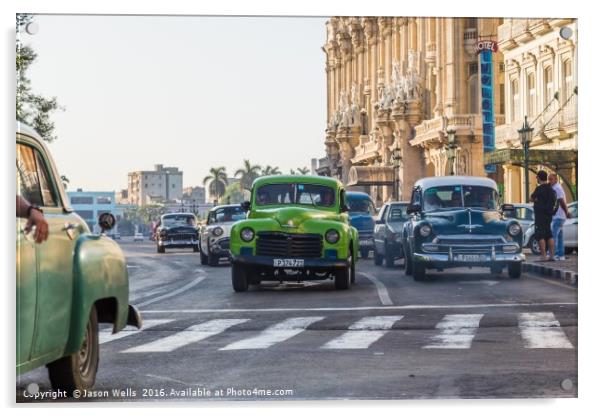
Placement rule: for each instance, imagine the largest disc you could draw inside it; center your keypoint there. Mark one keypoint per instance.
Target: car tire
(344, 277)
(534, 246)
(78, 370)
(407, 262)
(240, 282)
(212, 259)
(389, 258)
(378, 258)
(514, 270)
(419, 272)
(195, 249)
(160, 249)
(204, 259)
(365, 252)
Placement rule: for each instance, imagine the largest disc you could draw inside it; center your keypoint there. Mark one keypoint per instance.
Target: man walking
(544, 203)
(562, 213)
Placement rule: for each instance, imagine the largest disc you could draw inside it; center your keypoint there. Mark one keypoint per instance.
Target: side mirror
(344, 208)
(106, 221)
(508, 209)
(413, 209)
(245, 205)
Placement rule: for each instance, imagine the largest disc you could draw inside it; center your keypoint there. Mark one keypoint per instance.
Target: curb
(566, 276)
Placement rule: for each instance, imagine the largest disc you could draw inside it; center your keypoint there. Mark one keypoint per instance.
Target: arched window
(532, 95)
(567, 78)
(548, 84)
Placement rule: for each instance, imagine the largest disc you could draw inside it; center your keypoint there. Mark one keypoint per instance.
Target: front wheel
(514, 270)
(160, 249)
(534, 246)
(195, 248)
(212, 259)
(419, 272)
(240, 283)
(343, 278)
(78, 370)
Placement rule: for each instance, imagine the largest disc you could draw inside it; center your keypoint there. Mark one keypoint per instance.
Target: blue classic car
(455, 222)
(361, 216)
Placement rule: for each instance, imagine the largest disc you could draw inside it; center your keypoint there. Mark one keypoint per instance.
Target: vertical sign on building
(485, 50)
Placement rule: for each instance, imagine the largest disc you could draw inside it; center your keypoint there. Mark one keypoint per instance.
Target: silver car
(214, 242)
(569, 230)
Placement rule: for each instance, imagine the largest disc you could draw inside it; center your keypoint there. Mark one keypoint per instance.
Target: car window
(228, 214)
(398, 213)
(178, 220)
(361, 205)
(457, 196)
(523, 213)
(295, 193)
(32, 177)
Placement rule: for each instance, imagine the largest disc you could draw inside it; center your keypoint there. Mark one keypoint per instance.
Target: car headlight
(247, 234)
(332, 236)
(425, 230)
(217, 231)
(514, 229)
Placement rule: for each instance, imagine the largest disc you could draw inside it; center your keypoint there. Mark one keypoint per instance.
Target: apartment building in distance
(158, 185)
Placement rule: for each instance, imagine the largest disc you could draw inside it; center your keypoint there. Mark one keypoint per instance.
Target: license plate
(365, 242)
(289, 262)
(471, 257)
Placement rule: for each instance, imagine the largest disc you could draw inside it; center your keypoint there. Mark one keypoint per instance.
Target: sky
(188, 91)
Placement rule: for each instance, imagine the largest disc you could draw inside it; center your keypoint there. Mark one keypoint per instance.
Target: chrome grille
(288, 245)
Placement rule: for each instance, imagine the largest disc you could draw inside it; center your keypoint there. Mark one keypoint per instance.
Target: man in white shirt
(559, 218)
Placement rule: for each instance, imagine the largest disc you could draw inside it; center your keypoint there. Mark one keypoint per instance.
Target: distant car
(214, 242)
(138, 237)
(455, 222)
(177, 230)
(361, 216)
(387, 233)
(569, 230)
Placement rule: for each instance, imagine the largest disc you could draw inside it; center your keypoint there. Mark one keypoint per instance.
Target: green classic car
(297, 228)
(66, 285)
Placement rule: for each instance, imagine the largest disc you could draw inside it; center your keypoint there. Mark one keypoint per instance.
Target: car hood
(225, 225)
(293, 217)
(466, 220)
(361, 221)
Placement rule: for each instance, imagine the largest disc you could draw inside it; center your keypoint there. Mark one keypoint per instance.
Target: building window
(82, 200)
(549, 85)
(502, 99)
(567, 73)
(515, 100)
(473, 84)
(473, 68)
(532, 97)
(104, 200)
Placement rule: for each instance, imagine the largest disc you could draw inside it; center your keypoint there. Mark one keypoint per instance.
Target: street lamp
(526, 134)
(395, 160)
(450, 149)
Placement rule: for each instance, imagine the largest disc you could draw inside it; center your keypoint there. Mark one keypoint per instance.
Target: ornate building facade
(397, 87)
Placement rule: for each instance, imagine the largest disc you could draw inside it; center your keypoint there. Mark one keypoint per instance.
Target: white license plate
(365, 242)
(471, 257)
(289, 262)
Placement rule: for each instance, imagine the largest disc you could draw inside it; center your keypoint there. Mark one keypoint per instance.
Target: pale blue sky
(191, 92)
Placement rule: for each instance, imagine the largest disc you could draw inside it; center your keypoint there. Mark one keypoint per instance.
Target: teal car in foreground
(66, 285)
(297, 229)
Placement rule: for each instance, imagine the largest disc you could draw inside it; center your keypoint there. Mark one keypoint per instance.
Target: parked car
(361, 216)
(569, 230)
(214, 242)
(387, 233)
(138, 237)
(67, 285)
(524, 214)
(455, 222)
(177, 230)
(297, 229)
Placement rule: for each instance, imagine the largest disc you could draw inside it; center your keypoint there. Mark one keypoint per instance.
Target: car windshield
(226, 214)
(361, 205)
(295, 194)
(178, 220)
(458, 196)
(398, 213)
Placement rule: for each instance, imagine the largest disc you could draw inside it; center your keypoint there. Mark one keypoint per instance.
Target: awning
(371, 175)
(551, 157)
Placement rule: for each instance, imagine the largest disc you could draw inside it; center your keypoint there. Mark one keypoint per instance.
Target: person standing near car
(544, 203)
(561, 215)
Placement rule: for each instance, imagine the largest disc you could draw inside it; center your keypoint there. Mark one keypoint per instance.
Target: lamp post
(395, 160)
(451, 149)
(525, 133)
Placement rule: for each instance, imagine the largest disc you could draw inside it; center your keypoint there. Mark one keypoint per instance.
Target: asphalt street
(466, 334)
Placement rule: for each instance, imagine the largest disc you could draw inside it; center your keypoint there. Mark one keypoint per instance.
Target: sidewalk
(565, 270)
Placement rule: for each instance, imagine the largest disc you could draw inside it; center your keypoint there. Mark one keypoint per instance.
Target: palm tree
(293, 172)
(248, 173)
(303, 171)
(217, 180)
(269, 170)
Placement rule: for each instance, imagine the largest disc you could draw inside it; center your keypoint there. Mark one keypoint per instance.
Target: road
(467, 334)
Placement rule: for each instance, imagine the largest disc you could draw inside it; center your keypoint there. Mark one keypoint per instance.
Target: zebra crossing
(538, 330)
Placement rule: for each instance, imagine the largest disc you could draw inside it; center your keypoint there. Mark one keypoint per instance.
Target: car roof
(355, 194)
(190, 214)
(305, 179)
(455, 180)
(225, 206)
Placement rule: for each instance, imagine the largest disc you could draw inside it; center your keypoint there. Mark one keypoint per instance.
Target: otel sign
(485, 45)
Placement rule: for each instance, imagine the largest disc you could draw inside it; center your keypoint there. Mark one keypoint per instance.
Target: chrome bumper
(485, 258)
(180, 243)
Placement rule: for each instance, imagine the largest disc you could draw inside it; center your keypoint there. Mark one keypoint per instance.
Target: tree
(269, 170)
(248, 173)
(217, 180)
(32, 109)
(303, 171)
(232, 195)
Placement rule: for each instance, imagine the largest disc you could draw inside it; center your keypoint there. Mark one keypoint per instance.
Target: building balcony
(470, 40)
(366, 152)
(435, 129)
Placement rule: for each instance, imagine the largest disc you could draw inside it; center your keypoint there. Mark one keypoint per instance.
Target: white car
(569, 229)
(138, 237)
(214, 243)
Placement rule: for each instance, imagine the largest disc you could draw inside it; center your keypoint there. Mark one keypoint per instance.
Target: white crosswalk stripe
(363, 333)
(542, 330)
(456, 331)
(105, 335)
(274, 334)
(188, 336)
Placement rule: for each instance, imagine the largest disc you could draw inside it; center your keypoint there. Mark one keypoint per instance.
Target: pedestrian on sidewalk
(561, 215)
(544, 206)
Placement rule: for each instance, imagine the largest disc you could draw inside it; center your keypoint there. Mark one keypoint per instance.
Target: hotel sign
(485, 50)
